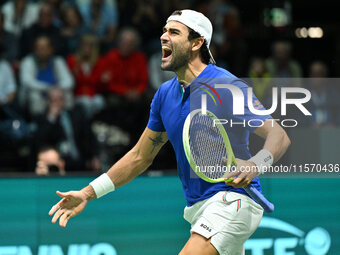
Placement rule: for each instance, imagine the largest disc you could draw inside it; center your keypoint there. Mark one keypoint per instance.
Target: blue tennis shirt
(171, 105)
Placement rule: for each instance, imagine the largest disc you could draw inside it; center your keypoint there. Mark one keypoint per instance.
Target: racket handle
(258, 197)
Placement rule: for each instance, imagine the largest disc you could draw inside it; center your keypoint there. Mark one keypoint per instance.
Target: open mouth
(166, 52)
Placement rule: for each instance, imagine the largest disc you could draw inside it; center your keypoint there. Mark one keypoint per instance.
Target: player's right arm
(139, 158)
(135, 162)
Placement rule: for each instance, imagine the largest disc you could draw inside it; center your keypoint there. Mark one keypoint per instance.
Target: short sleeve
(155, 121)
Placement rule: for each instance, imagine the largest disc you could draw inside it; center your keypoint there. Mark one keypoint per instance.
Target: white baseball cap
(197, 22)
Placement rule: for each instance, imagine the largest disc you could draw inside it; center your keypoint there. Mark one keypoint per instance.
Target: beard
(180, 58)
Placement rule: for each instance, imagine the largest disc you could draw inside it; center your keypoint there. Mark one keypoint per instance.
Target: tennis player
(222, 216)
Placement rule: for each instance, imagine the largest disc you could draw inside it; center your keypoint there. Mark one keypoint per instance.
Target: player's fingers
(239, 181)
(57, 206)
(63, 194)
(57, 215)
(245, 179)
(54, 208)
(229, 180)
(64, 219)
(231, 175)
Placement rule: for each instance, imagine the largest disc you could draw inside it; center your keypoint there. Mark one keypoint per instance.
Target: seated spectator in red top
(87, 67)
(127, 67)
(126, 79)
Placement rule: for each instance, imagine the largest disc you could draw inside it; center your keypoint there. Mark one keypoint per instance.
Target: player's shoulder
(224, 76)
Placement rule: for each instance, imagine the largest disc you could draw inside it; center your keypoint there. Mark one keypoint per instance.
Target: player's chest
(173, 117)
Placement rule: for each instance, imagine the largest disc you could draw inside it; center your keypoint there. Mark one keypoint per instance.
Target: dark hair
(204, 51)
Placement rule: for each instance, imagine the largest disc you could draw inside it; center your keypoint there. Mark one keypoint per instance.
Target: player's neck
(187, 74)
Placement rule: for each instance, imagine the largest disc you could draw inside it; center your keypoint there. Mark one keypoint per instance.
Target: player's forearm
(277, 142)
(128, 167)
(136, 161)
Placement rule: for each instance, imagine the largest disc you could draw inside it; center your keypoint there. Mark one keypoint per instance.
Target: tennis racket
(206, 143)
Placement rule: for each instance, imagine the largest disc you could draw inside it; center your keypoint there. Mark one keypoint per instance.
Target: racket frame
(186, 143)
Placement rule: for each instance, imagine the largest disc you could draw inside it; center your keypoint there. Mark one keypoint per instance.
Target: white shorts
(227, 218)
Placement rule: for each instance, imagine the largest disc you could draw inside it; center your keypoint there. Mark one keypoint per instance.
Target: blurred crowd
(77, 78)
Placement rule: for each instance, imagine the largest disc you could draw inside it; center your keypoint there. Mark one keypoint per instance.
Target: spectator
(19, 15)
(49, 162)
(72, 29)
(321, 103)
(228, 30)
(280, 65)
(127, 67)
(127, 79)
(39, 72)
(87, 67)
(68, 131)
(100, 18)
(57, 6)
(44, 27)
(260, 80)
(8, 42)
(146, 21)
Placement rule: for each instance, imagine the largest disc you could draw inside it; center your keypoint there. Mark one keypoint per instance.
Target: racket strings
(207, 146)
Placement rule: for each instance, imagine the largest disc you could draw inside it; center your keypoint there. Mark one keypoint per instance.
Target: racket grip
(258, 197)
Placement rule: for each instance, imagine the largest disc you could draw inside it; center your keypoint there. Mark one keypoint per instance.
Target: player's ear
(197, 43)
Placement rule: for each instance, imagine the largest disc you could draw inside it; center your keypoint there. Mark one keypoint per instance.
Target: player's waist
(193, 197)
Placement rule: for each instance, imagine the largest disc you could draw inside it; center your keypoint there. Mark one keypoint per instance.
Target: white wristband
(263, 160)
(102, 185)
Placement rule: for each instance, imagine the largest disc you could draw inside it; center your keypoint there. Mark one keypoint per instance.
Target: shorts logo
(205, 227)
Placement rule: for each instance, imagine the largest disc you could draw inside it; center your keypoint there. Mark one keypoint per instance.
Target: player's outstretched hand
(71, 204)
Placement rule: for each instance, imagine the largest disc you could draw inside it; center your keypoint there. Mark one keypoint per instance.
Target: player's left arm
(276, 139)
(276, 143)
